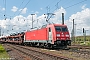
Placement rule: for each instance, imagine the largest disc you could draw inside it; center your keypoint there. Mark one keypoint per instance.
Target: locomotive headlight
(58, 38)
(67, 35)
(58, 35)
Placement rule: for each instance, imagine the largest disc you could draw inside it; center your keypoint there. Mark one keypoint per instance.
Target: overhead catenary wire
(57, 4)
(72, 5)
(4, 2)
(49, 15)
(24, 6)
(48, 6)
(19, 7)
(57, 7)
(76, 4)
(4, 13)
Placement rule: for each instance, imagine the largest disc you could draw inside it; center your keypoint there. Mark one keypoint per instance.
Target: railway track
(24, 54)
(79, 46)
(37, 55)
(15, 54)
(74, 53)
(80, 49)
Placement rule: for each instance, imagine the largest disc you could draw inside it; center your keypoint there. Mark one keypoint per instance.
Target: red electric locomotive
(54, 35)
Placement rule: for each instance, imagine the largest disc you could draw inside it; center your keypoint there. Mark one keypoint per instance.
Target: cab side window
(49, 29)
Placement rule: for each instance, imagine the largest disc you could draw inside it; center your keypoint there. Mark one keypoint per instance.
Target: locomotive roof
(56, 25)
(45, 26)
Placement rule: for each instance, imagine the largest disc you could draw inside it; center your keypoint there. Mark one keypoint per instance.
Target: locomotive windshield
(61, 28)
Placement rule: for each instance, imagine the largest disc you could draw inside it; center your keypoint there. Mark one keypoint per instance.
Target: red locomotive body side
(40, 34)
(54, 34)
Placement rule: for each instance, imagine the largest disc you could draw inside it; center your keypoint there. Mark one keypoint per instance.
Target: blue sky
(40, 6)
(20, 10)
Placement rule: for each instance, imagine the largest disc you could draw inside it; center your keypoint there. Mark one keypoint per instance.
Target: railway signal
(0, 30)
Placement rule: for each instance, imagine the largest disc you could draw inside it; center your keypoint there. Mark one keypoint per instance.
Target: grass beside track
(3, 54)
(80, 40)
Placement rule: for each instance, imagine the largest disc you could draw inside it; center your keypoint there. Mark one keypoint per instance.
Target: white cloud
(36, 12)
(23, 11)
(32, 11)
(84, 6)
(41, 8)
(58, 13)
(21, 23)
(82, 19)
(14, 9)
(3, 9)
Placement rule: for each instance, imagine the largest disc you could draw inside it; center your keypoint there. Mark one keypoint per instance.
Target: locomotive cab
(59, 35)
(62, 36)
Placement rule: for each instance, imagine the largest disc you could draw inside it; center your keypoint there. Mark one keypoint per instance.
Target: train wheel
(49, 46)
(64, 47)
